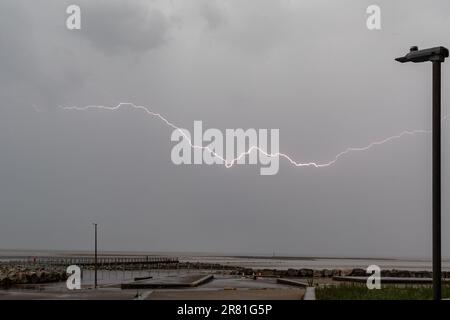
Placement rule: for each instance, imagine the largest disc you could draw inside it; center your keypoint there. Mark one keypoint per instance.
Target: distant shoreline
(40, 252)
(310, 258)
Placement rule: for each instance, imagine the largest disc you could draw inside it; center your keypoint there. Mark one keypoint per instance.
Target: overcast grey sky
(310, 68)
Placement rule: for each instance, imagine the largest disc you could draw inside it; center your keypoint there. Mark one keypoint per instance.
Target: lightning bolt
(230, 163)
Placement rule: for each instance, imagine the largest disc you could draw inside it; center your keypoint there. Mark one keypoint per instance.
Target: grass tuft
(359, 291)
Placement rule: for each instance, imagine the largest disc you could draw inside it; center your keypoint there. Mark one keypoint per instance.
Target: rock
(279, 273)
(400, 273)
(43, 276)
(336, 272)
(317, 273)
(358, 272)
(267, 272)
(5, 282)
(386, 273)
(404, 274)
(327, 273)
(32, 277)
(346, 272)
(21, 278)
(12, 275)
(291, 272)
(306, 273)
(248, 271)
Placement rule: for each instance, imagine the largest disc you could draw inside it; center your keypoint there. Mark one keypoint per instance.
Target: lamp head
(432, 54)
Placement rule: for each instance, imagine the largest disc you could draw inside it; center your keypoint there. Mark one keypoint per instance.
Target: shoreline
(61, 252)
(243, 261)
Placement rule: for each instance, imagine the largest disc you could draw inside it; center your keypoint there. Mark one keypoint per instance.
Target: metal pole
(95, 257)
(436, 189)
(436, 55)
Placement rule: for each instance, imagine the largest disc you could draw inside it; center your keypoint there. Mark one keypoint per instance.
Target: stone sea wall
(329, 273)
(29, 274)
(293, 273)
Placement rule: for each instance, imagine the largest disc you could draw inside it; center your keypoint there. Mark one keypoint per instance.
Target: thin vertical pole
(436, 189)
(95, 257)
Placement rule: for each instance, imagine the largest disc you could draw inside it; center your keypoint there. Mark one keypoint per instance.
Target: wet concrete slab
(100, 294)
(220, 287)
(293, 282)
(229, 294)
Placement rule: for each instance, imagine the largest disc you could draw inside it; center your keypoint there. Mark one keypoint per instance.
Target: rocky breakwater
(277, 273)
(30, 274)
(330, 273)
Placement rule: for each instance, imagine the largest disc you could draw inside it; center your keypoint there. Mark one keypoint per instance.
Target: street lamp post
(436, 55)
(95, 255)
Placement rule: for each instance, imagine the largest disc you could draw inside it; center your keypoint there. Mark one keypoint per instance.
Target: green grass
(387, 292)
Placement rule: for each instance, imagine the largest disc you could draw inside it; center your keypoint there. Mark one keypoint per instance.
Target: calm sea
(261, 262)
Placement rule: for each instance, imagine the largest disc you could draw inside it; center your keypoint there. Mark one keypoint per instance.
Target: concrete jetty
(180, 282)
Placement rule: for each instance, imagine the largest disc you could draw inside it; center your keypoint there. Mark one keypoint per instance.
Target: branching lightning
(230, 163)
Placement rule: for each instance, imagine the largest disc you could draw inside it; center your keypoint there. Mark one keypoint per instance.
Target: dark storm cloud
(248, 28)
(214, 12)
(37, 65)
(116, 26)
(15, 47)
